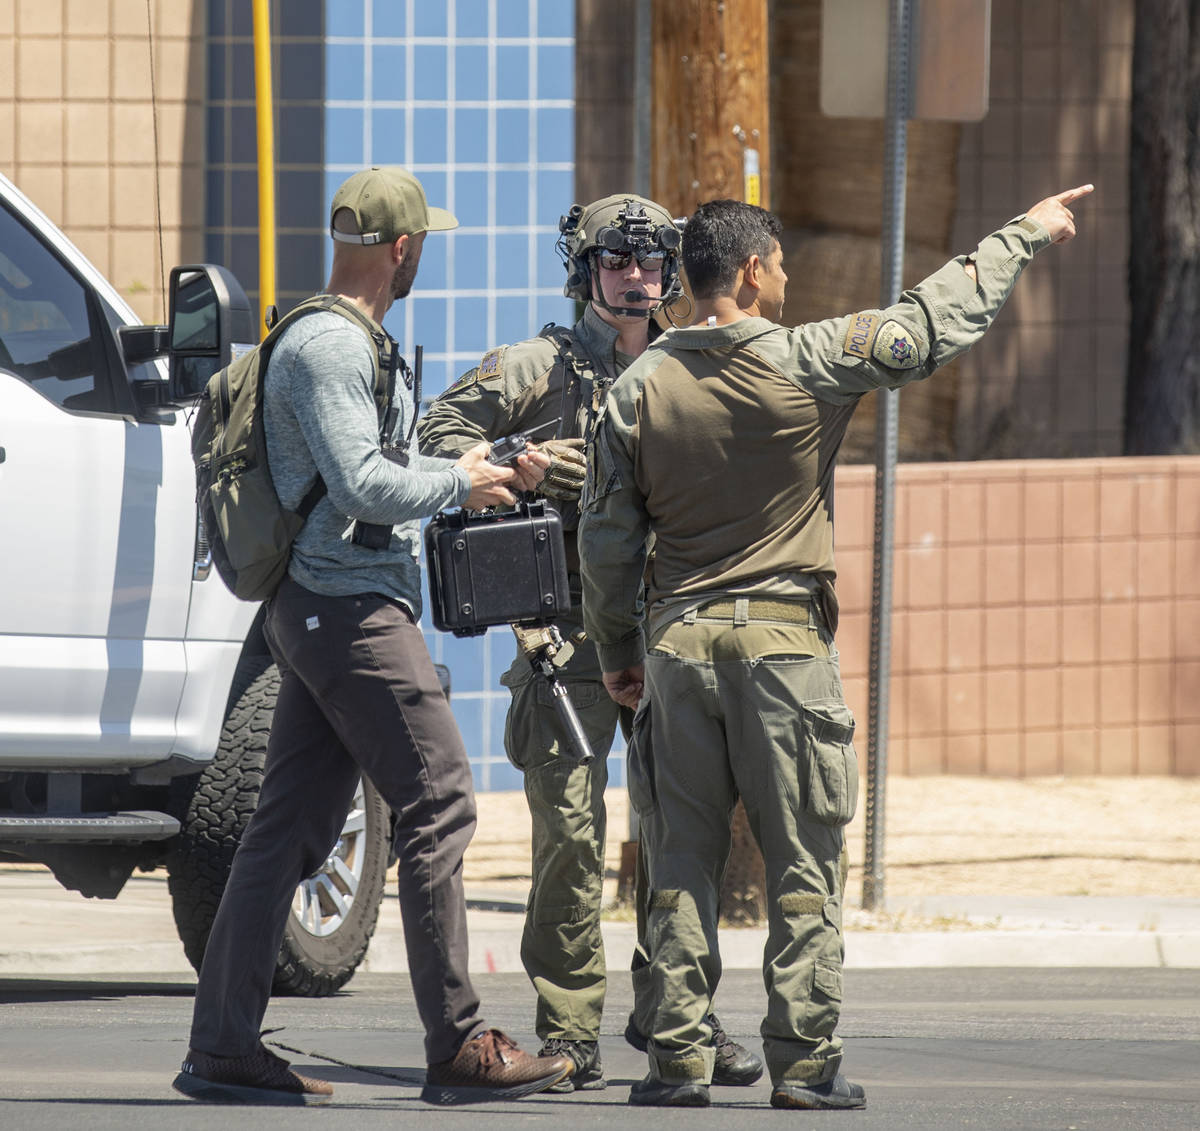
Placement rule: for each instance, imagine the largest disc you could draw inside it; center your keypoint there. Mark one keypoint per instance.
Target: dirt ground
(959, 836)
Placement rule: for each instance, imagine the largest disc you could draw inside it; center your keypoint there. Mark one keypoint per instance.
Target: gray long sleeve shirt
(320, 418)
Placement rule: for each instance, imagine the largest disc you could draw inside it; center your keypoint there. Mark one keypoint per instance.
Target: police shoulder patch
(490, 365)
(860, 334)
(896, 347)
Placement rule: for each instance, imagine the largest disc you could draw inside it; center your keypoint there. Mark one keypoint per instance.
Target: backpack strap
(385, 355)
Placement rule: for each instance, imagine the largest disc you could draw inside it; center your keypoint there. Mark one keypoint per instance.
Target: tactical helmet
(621, 223)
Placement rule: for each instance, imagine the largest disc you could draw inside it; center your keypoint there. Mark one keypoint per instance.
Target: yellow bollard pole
(266, 159)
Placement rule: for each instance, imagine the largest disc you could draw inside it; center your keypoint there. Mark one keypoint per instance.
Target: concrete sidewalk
(980, 872)
(51, 932)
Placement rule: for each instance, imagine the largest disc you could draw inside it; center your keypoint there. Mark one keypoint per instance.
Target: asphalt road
(934, 1048)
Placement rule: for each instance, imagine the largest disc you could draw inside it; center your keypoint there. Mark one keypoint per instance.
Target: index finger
(1074, 194)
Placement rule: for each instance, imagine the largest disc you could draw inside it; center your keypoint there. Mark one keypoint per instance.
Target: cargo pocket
(523, 734)
(832, 769)
(533, 733)
(828, 979)
(640, 762)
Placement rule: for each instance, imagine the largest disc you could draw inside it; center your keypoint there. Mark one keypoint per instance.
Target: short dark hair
(719, 237)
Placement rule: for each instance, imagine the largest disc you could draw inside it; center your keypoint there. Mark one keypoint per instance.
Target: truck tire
(334, 913)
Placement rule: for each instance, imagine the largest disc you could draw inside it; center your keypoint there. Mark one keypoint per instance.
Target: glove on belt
(564, 477)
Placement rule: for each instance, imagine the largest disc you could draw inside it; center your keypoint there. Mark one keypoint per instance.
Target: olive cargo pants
(561, 947)
(752, 709)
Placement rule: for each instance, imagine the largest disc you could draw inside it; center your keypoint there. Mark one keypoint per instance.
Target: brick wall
(1046, 615)
(77, 129)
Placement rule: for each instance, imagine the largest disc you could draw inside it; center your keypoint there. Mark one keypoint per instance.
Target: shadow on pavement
(13, 990)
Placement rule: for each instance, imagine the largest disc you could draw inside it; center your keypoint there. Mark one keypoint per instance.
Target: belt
(741, 609)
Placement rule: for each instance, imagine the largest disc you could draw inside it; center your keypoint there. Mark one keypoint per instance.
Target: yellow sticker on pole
(751, 176)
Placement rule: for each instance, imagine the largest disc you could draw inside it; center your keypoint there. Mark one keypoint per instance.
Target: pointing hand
(1054, 215)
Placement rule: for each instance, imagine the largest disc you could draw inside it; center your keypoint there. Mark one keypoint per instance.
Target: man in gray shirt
(358, 691)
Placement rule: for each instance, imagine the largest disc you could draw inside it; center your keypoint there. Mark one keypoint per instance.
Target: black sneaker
(589, 1072)
(835, 1093)
(735, 1065)
(260, 1077)
(654, 1093)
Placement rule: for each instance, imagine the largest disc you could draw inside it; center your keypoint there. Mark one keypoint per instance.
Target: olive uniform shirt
(519, 388)
(722, 441)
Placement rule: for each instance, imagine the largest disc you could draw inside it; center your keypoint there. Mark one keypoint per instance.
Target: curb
(497, 950)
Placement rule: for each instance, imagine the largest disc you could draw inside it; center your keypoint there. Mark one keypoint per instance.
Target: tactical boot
(833, 1094)
(589, 1072)
(735, 1065)
(655, 1093)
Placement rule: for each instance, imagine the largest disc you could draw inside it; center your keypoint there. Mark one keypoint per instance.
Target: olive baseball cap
(388, 202)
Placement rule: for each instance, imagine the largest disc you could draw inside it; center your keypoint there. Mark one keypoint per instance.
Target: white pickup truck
(136, 692)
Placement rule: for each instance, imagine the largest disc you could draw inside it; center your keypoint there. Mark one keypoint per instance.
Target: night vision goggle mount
(632, 231)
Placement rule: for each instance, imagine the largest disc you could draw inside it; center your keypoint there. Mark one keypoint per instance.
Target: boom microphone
(636, 296)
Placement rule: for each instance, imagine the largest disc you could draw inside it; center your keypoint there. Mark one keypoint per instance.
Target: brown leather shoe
(491, 1067)
(260, 1077)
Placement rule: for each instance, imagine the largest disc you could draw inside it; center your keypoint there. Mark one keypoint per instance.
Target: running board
(87, 828)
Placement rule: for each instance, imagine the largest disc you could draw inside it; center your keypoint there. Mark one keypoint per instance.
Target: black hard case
(496, 568)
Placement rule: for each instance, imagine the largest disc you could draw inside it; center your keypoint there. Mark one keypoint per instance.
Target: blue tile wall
(389, 72)
(555, 20)
(513, 20)
(344, 72)
(476, 97)
(472, 191)
(345, 17)
(388, 17)
(389, 132)
(471, 137)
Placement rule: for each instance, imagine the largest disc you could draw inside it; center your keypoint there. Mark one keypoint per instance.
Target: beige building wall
(102, 126)
(1046, 615)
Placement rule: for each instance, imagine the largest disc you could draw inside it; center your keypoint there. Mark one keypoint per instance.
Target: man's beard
(402, 279)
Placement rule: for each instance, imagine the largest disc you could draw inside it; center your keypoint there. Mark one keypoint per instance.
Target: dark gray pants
(359, 694)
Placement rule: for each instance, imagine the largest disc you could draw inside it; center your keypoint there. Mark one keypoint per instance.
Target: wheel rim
(323, 901)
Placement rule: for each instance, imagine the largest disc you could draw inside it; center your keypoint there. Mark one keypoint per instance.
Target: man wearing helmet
(621, 256)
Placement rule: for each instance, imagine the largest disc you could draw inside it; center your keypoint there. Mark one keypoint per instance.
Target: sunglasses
(619, 260)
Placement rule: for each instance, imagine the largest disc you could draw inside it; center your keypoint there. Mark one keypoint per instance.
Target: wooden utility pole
(709, 139)
(711, 81)
(1162, 394)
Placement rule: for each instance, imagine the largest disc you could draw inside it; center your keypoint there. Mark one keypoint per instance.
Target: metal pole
(886, 434)
(266, 160)
(643, 97)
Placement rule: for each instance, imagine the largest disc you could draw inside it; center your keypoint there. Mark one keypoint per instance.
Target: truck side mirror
(210, 324)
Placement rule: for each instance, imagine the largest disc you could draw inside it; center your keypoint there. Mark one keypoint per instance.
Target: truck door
(96, 524)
